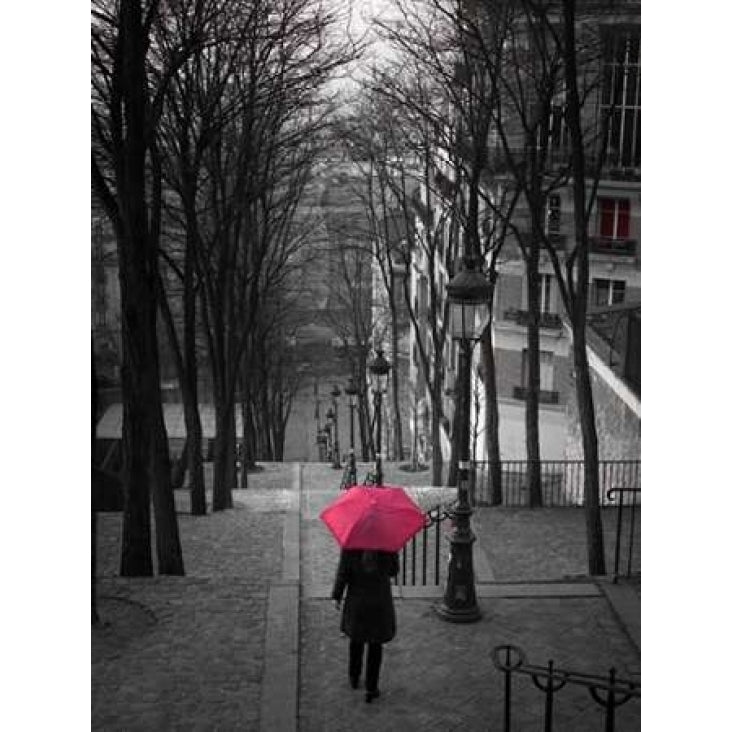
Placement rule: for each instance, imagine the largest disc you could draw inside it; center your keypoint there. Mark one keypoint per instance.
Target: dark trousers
(373, 663)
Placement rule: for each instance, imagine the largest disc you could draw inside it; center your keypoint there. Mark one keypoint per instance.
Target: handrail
(608, 691)
(433, 519)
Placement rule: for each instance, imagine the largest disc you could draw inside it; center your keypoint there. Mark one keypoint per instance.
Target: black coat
(368, 612)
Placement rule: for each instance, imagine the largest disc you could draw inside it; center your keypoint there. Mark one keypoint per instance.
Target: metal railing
(562, 481)
(607, 245)
(421, 560)
(634, 493)
(609, 691)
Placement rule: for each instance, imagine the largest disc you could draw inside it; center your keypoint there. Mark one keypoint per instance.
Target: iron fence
(423, 557)
(562, 481)
(609, 692)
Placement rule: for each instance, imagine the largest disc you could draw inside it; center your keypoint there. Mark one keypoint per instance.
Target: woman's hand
(337, 605)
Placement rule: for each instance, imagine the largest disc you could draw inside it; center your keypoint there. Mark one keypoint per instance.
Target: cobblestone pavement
(438, 675)
(187, 653)
(547, 543)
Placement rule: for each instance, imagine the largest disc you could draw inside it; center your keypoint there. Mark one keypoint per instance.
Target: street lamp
(352, 391)
(335, 393)
(468, 294)
(380, 369)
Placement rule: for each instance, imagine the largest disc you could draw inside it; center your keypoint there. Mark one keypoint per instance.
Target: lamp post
(329, 432)
(335, 393)
(352, 391)
(380, 369)
(468, 294)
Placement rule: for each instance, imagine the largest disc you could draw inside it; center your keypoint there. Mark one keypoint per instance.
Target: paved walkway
(248, 640)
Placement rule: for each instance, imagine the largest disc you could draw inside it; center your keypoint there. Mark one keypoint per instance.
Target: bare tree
(349, 312)
(127, 90)
(575, 287)
(254, 166)
(548, 76)
(438, 43)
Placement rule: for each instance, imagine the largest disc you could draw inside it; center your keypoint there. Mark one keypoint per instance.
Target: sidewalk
(187, 653)
(249, 640)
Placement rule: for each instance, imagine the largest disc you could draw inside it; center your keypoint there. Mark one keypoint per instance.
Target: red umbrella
(369, 517)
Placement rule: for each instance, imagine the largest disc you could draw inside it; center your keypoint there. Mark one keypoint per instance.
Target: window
(553, 215)
(613, 218)
(621, 94)
(546, 370)
(608, 292)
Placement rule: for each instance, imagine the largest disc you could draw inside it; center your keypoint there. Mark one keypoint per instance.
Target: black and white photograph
(365, 365)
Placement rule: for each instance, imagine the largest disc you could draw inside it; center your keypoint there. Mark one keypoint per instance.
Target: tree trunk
(224, 454)
(395, 379)
(189, 384)
(167, 540)
(436, 425)
(244, 452)
(585, 403)
(145, 441)
(533, 456)
(452, 466)
(94, 413)
(194, 454)
(178, 471)
(491, 438)
(187, 369)
(136, 554)
(415, 444)
(136, 296)
(368, 451)
(250, 434)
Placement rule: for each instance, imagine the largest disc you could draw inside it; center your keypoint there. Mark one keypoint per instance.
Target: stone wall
(618, 427)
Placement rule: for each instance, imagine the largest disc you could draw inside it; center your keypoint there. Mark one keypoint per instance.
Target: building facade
(614, 181)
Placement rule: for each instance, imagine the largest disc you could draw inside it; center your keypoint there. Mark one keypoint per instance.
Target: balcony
(545, 397)
(605, 245)
(521, 317)
(556, 241)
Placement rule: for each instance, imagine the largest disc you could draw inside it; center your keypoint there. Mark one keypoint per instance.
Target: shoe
(354, 682)
(372, 695)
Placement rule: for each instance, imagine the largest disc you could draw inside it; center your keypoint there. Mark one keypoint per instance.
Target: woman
(368, 612)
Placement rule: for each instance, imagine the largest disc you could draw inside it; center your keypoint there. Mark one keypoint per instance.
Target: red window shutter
(607, 217)
(623, 230)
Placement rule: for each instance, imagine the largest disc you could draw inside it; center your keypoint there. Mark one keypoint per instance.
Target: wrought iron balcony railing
(556, 240)
(606, 245)
(521, 317)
